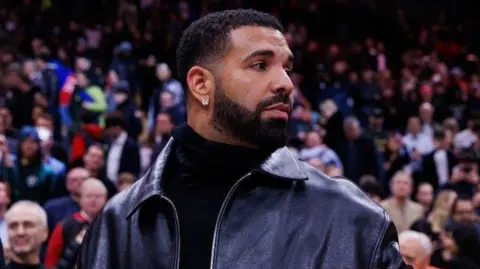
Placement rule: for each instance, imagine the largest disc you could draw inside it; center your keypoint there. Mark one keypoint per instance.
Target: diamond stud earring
(205, 101)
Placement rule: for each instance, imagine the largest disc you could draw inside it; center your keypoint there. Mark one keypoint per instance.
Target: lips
(280, 106)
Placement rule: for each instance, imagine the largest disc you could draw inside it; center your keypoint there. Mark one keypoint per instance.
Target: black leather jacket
(285, 215)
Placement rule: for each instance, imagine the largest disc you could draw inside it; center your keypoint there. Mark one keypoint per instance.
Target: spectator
(62, 207)
(436, 220)
(416, 249)
(437, 166)
(316, 149)
(128, 108)
(416, 142)
(161, 135)
(372, 188)
(123, 153)
(27, 175)
(463, 211)
(403, 211)
(125, 181)
(27, 231)
(459, 249)
(55, 153)
(466, 138)
(4, 204)
(349, 153)
(425, 195)
(465, 175)
(164, 74)
(93, 196)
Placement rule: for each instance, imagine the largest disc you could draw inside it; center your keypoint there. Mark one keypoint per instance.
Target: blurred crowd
(387, 95)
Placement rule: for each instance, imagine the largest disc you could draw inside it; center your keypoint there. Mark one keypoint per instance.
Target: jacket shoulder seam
(383, 231)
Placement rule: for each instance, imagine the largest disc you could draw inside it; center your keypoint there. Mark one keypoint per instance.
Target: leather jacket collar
(280, 165)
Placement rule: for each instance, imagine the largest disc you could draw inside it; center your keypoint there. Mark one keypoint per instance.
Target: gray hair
(421, 238)
(39, 211)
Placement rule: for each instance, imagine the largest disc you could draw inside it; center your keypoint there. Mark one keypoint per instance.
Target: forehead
(245, 40)
(92, 188)
(23, 214)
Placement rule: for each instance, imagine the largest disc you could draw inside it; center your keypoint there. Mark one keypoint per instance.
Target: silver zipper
(220, 216)
(177, 231)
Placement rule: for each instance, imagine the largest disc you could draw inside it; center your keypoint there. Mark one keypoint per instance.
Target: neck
(30, 258)
(3, 209)
(400, 200)
(86, 216)
(206, 130)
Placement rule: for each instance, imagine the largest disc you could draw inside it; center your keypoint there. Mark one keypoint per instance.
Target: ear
(45, 235)
(201, 84)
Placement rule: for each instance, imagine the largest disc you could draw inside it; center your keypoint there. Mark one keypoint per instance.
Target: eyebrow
(267, 53)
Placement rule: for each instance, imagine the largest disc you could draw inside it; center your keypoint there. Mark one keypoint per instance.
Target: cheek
(245, 88)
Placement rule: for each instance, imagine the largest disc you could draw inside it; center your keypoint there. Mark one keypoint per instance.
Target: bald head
(93, 196)
(416, 248)
(91, 184)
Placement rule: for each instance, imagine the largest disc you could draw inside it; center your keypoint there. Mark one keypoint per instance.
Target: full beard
(231, 118)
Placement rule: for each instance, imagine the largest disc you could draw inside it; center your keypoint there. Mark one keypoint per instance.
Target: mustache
(278, 98)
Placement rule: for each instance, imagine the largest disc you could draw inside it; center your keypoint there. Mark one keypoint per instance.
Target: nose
(282, 83)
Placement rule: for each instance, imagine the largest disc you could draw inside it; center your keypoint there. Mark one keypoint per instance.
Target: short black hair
(208, 38)
(115, 119)
(439, 134)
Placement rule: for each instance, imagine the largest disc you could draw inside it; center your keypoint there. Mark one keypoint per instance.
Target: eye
(259, 66)
(289, 71)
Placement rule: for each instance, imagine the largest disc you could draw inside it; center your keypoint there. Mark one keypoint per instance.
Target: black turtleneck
(198, 176)
(14, 265)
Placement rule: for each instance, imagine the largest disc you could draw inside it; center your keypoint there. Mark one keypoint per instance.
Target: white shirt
(441, 165)
(421, 142)
(464, 139)
(114, 155)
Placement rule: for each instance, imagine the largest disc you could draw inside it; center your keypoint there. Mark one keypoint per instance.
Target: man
(437, 166)
(226, 192)
(403, 211)
(123, 154)
(416, 249)
(161, 134)
(353, 151)
(93, 196)
(315, 148)
(27, 230)
(62, 207)
(425, 195)
(127, 106)
(94, 162)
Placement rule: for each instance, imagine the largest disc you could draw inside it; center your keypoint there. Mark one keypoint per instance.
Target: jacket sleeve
(387, 253)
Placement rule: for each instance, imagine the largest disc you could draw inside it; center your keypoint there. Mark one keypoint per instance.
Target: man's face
(413, 254)
(163, 124)
(414, 125)
(464, 212)
(75, 179)
(402, 187)
(94, 158)
(253, 90)
(26, 233)
(425, 194)
(92, 199)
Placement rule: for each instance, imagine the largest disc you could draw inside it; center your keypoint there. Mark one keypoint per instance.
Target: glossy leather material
(286, 215)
